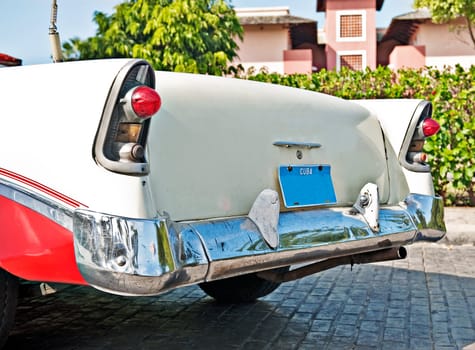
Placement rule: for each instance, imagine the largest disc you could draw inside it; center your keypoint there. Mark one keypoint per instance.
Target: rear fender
(398, 119)
(36, 236)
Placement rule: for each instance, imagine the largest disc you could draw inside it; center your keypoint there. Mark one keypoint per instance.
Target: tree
(196, 36)
(444, 11)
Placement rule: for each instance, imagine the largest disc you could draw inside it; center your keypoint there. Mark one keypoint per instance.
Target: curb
(460, 223)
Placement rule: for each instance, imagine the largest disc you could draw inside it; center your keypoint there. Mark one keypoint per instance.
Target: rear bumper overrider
(146, 257)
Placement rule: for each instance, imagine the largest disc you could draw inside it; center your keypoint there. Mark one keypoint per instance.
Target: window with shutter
(351, 26)
(354, 62)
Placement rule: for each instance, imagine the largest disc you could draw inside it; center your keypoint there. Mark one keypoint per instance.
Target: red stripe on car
(40, 187)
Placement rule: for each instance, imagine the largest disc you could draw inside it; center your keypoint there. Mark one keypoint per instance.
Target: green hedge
(452, 92)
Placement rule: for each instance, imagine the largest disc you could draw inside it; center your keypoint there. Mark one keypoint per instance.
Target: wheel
(240, 289)
(8, 303)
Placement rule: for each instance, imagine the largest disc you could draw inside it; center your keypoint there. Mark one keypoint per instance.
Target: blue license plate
(306, 185)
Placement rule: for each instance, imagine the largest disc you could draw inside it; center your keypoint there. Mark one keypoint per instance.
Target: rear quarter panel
(50, 116)
(395, 115)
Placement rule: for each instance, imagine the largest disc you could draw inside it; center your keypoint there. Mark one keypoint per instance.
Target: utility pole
(54, 35)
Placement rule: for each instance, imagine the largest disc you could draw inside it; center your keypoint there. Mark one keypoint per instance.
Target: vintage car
(9, 61)
(137, 182)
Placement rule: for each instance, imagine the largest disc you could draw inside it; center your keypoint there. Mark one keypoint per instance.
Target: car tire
(8, 303)
(240, 289)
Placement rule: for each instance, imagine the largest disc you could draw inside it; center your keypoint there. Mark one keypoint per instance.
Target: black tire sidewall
(8, 304)
(240, 289)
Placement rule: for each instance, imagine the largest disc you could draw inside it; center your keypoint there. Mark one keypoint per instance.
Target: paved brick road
(424, 302)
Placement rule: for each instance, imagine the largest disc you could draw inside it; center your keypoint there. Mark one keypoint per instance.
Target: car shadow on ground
(415, 303)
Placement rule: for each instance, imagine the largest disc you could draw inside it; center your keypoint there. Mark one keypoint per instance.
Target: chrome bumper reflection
(147, 257)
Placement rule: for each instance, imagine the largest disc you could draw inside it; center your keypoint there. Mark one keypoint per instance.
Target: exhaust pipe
(364, 258)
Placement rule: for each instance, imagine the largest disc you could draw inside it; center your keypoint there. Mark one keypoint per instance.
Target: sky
(24, 23)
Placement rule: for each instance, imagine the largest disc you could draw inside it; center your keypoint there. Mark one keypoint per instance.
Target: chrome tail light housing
(122, 136)
(422, 126)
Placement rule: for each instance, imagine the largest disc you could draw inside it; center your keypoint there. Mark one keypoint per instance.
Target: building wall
(407, 56)
(263, 46)
(298, 61)
(444, 45)
(335, 46)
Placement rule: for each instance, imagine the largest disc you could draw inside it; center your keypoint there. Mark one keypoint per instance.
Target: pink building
(279, 42)
(276, 41)
(413, 40)
(350, 28)
(282, 43)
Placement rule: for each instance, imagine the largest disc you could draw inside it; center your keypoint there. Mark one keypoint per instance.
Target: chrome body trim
(146, 257)
(367, 205)
(265, 215)
(423, 110)
(120, 166)
(135, 256)
(60, 214)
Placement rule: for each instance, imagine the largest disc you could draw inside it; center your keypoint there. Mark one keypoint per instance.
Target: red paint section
(42, 188)
(35, 248)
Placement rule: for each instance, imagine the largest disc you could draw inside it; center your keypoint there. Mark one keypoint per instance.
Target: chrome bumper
(146, 257)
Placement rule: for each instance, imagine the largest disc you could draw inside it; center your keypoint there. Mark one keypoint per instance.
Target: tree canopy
(446, 10)
(196, 36)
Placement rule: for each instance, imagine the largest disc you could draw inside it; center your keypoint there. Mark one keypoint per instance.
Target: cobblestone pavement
(424, 302)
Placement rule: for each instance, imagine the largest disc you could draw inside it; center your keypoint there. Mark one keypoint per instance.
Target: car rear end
(249, 177)
(164, 180)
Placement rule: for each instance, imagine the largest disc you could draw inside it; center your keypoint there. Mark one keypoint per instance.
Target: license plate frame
(306, 185)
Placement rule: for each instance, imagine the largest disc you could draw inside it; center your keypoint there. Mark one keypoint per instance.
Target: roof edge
(321, 5)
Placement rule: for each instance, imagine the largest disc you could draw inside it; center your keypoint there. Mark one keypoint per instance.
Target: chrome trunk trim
(146, 257)
(290, 144)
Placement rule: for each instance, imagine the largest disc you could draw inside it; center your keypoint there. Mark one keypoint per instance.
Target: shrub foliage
(452, 92)
(195, 36)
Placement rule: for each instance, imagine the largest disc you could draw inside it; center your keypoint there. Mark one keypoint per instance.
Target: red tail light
(145, 101)
(430, 127)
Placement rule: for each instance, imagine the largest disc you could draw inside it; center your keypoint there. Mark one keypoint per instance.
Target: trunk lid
(211, 147)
